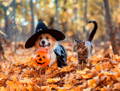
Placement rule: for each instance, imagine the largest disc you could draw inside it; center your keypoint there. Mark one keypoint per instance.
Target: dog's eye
(40, 38)
(47, 38)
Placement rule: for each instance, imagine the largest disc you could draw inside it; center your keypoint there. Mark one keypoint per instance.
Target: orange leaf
(92, 83)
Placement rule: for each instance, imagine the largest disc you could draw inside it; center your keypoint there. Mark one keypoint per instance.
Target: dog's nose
(43, 42)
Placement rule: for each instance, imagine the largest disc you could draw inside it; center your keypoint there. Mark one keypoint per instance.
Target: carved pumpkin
(41, 57)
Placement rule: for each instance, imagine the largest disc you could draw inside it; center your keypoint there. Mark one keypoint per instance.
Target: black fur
(93, 31)
(61, 56)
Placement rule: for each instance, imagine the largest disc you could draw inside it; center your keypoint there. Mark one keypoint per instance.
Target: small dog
(84, 48)
(49, 42)
(49, 38)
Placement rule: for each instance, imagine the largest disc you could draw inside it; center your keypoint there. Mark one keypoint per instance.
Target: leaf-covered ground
(19, 73)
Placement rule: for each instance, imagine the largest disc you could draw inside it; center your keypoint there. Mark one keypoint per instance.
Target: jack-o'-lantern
(41, 57)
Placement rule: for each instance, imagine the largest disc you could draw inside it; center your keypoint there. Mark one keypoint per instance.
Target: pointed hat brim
(58, 35)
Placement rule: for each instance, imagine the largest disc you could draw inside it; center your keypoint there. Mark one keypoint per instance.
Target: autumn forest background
(18, 19)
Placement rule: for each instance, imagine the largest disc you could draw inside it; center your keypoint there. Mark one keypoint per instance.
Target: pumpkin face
(42, 58)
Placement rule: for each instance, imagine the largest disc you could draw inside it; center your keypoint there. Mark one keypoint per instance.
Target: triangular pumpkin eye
(44, 57)
(38, 55)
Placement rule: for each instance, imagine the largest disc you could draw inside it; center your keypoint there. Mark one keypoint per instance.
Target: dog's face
(45, 40)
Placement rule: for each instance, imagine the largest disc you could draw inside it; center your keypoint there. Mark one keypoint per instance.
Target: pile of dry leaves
(19, 73)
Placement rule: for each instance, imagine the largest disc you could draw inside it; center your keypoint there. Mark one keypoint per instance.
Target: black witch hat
(40, 29)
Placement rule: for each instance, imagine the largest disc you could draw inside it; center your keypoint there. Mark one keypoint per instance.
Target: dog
(84, 48)
(49, 42)
(49, 38)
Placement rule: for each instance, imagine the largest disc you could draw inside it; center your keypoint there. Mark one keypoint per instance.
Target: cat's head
(78, 44)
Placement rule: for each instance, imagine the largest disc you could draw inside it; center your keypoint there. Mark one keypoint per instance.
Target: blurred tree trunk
(85, 10)
(110, 28)
(6, 27)
(14, 23)
(56, 19)
(1, 49)
(85, 17)
(9, 18)
(65, 23)
(32, 16)
(14, 13)
(51, 22)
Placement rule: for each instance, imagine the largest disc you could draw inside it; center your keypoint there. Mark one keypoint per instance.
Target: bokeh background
(18, 70)
(18, 18)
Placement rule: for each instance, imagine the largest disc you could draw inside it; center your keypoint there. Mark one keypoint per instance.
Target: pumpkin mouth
(40, 63)
(42, 58)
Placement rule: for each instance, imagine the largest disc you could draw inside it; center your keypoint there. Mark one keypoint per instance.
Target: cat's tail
(92, 34)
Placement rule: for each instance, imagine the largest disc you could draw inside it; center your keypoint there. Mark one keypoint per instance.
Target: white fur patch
(53, 55)
(89, 45)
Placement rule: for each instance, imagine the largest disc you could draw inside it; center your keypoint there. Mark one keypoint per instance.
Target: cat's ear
(76, 41)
